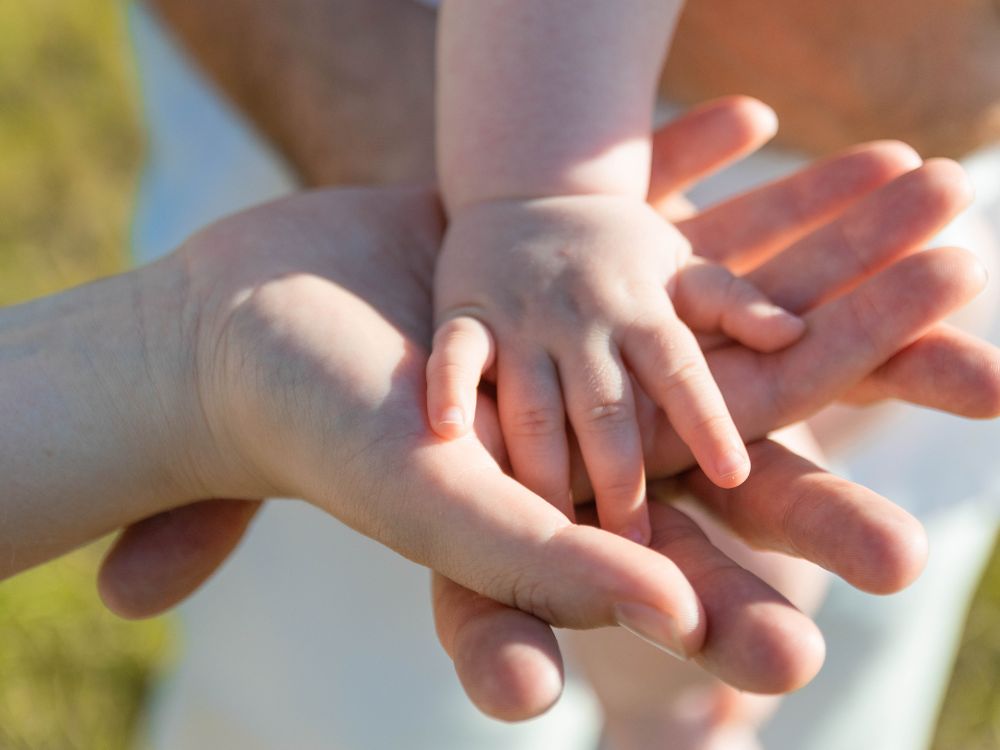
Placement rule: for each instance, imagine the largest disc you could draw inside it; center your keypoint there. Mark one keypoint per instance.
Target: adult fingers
(945, 369)
(508, 661)
(156, 563)
(462, 352)
(487, 532)
(602, 412)
(755, 639)
(890, 222)
(704, 140)
(863, 328)
(744, 231)
(790, 505)
(530, 403)
(846, 339)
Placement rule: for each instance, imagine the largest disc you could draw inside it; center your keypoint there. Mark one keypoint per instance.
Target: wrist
(456, 203)
(94, 422)
(166, 404)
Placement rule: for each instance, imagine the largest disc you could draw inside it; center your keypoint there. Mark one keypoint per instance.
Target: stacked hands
(290, 358)
(573, 288)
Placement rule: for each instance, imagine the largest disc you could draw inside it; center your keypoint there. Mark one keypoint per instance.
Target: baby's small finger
(463, 350)
(709, 298)
(534, 427)
(601, 408)
(671, 368)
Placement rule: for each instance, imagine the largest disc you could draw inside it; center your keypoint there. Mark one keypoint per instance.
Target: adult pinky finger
(463, 350)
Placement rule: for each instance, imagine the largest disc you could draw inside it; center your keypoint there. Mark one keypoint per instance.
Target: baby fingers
(534, 426)
(710, 298)
(666, 360)
(601, 408)
(463, 350)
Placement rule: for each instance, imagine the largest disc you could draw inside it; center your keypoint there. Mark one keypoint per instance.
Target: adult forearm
(343, 88)
(551, 97)
(89, 405)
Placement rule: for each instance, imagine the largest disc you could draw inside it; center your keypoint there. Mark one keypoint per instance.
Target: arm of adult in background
(303, 69)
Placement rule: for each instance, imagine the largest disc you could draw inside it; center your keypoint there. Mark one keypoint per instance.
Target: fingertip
(892, 557)
(784, 328)
(952, 178)
(452, 423)
(640, 530)
(770, 650)
(763, 118)
(732, 468)
(509, 665)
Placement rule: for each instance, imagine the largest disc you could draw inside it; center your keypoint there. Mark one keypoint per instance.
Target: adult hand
(788, 504)
(576, 574)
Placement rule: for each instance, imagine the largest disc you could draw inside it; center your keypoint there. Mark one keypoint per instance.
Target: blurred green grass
(71, 674)
(970, 716)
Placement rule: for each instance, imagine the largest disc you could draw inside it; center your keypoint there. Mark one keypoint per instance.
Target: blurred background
(71, 674)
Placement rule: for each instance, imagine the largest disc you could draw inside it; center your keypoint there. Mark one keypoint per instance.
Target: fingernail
(788, 317)
(453, 416)
(733, 465)
(656, 628)
(638, 534)
(773, 311)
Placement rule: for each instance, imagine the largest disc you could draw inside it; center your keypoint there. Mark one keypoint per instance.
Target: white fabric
(283, 649)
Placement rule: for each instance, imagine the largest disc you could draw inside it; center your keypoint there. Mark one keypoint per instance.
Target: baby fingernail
(770, 310)
(654, 627)
(453, 416)
(638, 534)
(733, 465)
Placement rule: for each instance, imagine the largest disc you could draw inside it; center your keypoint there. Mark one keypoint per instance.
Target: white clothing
(283, 649)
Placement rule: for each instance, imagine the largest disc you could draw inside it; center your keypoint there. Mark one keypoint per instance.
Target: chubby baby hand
(561, 300)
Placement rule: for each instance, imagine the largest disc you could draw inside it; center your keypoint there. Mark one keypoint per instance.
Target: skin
(390, 143)
(557, 279)
(841, 73)
(883, 545)
(243, 365)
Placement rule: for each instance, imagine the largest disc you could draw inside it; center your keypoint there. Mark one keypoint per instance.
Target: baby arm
(554, 272)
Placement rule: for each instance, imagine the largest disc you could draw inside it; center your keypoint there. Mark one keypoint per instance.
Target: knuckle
(713, 423)
(686, 372)
(529, 595)
(536, 421)
(622, 489)
(608, 414)
(451, 372)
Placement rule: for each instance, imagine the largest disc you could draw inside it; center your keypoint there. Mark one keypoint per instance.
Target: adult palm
(312, 322)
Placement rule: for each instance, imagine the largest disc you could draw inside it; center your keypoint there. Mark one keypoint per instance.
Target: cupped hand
(292, 278)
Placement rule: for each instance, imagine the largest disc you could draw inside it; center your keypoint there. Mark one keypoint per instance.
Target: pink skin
(572, 296)
(508, 659)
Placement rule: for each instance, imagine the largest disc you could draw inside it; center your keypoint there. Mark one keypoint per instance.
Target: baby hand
(560, 299)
